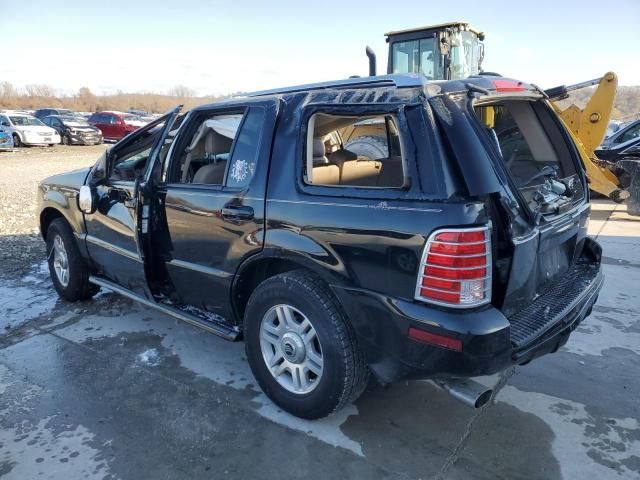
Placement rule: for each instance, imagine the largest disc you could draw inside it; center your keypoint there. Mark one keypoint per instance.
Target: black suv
(383, 225)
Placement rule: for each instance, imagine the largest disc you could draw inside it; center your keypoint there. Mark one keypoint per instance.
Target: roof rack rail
(397, 81)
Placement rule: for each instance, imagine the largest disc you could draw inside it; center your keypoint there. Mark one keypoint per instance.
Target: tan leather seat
(324, 173)
(213, 173)
(361, 172)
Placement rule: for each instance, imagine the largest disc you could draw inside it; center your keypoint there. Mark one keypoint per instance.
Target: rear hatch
(539, 210)
(545, 177)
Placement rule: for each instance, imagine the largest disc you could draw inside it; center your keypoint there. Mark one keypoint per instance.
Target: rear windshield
(534, 150)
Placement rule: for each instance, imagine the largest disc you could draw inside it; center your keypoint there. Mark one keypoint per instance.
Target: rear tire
(16, 140)
(68, 269)
(368, 146)
(343, 373)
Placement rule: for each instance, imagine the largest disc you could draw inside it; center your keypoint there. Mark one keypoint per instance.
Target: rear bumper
(488, 343)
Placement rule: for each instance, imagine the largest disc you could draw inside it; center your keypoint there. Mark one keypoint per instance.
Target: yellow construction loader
(455, 50)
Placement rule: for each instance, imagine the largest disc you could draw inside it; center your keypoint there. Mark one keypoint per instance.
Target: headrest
(318, 147)
(214, 143)
(342, 155)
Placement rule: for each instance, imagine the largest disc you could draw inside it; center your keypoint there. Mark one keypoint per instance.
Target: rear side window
(354, 151)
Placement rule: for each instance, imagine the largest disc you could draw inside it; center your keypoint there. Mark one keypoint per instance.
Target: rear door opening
(535, 153)
(546, 176)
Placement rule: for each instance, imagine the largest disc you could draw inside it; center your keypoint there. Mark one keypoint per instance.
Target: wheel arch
(260, 267)
(48, 215)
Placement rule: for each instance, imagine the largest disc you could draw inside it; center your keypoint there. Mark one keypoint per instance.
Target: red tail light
(456, 268)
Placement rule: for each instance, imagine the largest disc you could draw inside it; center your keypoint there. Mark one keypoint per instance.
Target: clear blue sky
(222, 47)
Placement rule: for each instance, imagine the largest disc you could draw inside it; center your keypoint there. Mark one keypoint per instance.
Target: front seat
(213, 173)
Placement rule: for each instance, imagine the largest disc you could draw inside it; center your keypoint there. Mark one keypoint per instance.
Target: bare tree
(40, 90)
(7, 90)
(181, 91)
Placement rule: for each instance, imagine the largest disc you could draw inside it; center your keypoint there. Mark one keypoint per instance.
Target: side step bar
(220, 330)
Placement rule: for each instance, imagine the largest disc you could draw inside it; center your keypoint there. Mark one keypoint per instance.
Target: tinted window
(130, 161)
(245, 151)
(416, 56)
(4, 122)
(633, 132)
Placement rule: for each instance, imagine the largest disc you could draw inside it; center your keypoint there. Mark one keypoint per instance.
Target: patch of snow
(150, 357)
(19, 304)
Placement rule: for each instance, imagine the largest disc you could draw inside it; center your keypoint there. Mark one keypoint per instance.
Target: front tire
(301, 347)
(16, 141)
(68, 269)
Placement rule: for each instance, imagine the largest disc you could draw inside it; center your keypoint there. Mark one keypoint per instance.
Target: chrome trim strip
(382, 205)
(455, 268)
(460, 243)
(113, 248)
(469, 255)
(487, 277)
(423, 264)
(484, 290)
(213, 272)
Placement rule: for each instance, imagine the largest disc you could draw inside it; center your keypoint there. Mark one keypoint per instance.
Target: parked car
(45, 112)
(74, 130)
(115, 125)
(459, 251)
(618, 151)
(6, 141)
(624, 134)
(28, 130)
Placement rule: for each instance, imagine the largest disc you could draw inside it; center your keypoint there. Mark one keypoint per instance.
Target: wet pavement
(110, 389)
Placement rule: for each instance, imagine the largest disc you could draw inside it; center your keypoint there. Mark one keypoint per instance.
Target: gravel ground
(20, 172)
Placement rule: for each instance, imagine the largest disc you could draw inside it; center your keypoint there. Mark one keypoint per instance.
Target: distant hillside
(626, 106)
(40, 96)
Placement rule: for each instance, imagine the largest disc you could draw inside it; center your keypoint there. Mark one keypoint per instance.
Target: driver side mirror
(87, 199)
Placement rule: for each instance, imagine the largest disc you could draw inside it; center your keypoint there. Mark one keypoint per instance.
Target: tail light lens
(456, 268)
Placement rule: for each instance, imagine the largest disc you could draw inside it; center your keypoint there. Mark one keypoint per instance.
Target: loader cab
(440, 52)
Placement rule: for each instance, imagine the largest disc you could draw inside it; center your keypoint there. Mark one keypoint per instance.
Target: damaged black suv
(383, 225)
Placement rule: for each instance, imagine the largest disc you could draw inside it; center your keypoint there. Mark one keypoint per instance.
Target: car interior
(334, 162)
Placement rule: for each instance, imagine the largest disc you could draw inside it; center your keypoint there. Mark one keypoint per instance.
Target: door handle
(240, 212)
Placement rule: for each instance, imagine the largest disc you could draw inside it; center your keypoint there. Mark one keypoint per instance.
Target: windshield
(417, 56)
(466, 55)
(25, 121)
(74, 122)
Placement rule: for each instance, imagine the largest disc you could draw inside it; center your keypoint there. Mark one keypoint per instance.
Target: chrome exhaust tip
(469, 392)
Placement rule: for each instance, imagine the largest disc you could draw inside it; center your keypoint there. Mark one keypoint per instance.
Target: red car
(115, 125)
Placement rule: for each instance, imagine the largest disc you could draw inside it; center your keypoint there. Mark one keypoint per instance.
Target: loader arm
(588, 127)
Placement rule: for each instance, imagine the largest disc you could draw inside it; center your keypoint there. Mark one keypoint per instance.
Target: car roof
(57, 115)
(407, 86)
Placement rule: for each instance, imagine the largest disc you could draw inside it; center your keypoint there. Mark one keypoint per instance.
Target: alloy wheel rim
(291, 349)
(60, 261)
